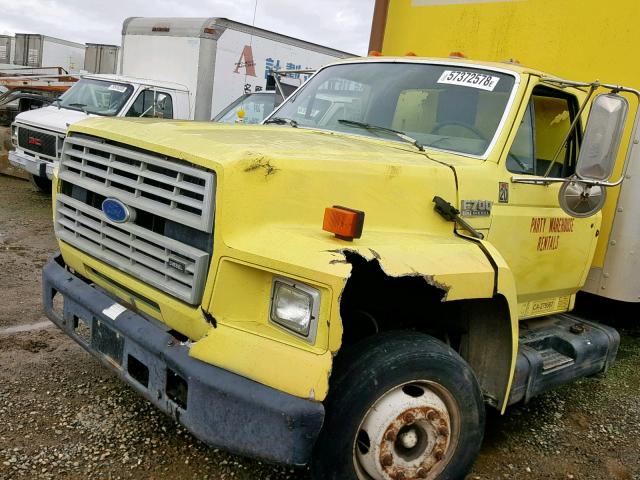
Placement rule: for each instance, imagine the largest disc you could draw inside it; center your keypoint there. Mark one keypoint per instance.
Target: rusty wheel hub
(407, 434)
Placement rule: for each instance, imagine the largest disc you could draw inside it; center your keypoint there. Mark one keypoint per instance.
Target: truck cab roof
(136, 80)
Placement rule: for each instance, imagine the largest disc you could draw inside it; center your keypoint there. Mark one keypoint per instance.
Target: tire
(428, 420)
(42, 184)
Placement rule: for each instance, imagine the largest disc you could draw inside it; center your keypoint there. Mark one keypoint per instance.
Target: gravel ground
(65, 417)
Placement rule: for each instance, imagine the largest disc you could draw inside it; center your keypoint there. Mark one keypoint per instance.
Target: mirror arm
(549, 180)
(633, 139)
(276, 77)
(573, 126)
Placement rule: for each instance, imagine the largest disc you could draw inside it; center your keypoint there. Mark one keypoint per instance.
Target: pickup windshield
(447, 107)
(98, 97)
(256, 107)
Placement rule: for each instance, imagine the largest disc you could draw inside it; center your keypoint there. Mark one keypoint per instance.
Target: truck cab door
(548, 251)
(152, 103)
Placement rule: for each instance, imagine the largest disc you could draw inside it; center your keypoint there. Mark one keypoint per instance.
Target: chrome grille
(178, 192)
(168, 264)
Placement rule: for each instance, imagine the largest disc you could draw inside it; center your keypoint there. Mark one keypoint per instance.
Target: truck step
(552, 360)
(558, 349)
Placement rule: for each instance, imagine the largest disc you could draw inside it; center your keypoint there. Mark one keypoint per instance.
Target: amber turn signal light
(344, 222)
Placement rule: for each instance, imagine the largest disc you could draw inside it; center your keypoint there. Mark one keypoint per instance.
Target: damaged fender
(462, 269)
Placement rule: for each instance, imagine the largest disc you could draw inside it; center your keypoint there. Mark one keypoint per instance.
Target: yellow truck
(350, 283)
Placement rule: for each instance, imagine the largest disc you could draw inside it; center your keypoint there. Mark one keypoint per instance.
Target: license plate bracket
(107, 341)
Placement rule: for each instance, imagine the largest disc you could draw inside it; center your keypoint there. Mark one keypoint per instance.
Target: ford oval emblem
(115, 210)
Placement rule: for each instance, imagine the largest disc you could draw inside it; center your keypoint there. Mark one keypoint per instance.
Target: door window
(153, 104)
(536, 148)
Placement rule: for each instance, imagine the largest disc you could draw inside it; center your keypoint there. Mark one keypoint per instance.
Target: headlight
(295, 306)
(14, 135)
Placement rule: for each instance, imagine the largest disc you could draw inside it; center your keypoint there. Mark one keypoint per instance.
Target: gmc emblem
(34, 141)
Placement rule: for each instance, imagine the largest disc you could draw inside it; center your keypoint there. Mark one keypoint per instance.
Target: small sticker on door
(503, 192)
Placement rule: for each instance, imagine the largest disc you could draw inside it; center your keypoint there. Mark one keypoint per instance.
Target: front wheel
(402, 405)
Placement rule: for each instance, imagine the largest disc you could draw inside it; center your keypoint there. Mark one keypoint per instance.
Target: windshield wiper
(369, 126)
(282, 121)
(82, 106)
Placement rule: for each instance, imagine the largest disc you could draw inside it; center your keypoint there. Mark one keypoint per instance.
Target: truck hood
(52, 118)
(282, 176)
(214, 143)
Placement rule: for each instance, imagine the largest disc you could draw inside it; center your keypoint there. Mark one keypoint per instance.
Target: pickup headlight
(295, 306)
(14, 135)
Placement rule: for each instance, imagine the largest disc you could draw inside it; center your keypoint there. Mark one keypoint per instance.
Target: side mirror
(598, 152)
(602, 137)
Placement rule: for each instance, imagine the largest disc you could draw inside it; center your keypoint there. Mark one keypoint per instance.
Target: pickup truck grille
(167, 242)
(38, 142)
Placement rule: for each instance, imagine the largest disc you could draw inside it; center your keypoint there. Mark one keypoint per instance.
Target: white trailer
(6, 49)
(101, 58)
(35, 50)
(216, 58)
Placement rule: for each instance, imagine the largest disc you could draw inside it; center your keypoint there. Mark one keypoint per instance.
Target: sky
(340, 24)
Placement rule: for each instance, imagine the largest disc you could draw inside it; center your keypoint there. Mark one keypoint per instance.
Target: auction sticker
(118, 88)
(482, 81)
(114, 311)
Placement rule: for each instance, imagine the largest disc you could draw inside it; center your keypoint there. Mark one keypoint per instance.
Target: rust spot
(261, 163)
(398, 471)
(375, 254)
(422, 472)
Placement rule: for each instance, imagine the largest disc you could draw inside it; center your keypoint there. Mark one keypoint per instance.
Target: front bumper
(220, 408)
(33, 165)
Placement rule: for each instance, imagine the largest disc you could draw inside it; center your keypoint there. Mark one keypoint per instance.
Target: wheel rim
(410, 432)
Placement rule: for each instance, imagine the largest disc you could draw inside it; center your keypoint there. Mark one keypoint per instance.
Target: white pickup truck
(37, 135)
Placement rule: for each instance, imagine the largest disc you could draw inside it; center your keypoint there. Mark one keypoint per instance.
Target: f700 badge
(475, 208)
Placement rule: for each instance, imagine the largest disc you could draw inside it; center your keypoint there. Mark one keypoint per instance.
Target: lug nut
(399, 476)
(409, 417)
(422, 472)
(433, 415)
(444, 431)
(386, 460)
(438, 454)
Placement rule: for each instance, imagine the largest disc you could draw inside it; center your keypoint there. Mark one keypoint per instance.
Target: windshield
(447, 107)
(96, 96)
(256, 107)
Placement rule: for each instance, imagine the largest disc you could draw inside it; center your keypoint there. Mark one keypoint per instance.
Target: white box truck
(216, 58)
(101, 58)
(35, 50)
